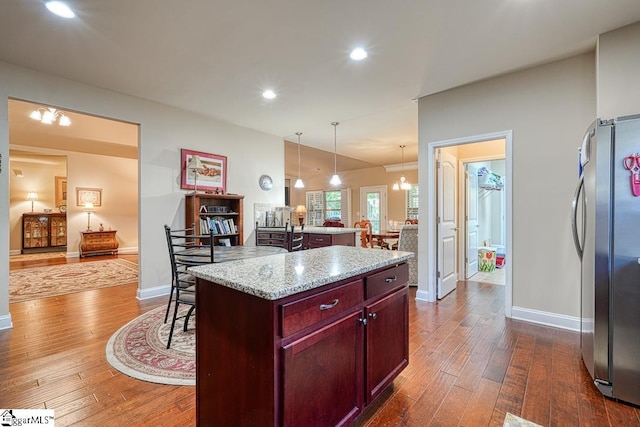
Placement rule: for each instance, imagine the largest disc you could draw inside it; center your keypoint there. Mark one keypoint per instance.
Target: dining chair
(272, 236)
(408, 242)
(366, 240)
(185, 250)
(296, 238)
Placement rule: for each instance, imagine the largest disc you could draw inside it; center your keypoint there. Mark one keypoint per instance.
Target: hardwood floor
(469, 366)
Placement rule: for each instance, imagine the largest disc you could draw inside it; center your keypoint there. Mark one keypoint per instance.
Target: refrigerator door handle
(574, 217)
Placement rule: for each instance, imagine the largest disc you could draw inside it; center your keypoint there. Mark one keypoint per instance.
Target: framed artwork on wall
(88, 195)
(211, 175)
(60, 191)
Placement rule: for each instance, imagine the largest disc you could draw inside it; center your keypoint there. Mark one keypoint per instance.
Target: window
(412, 202)
(328, 204)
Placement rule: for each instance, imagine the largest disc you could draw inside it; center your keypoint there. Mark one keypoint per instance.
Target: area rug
(138, 349)
(33, 257)
(42, 282)
(513, 421)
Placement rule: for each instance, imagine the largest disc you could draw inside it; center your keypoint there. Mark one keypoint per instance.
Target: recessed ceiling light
(269, 94)
(358, 54)
(59, 8)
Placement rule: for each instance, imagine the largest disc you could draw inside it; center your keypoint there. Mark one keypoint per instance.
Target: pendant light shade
(402, 184)
(335, 179)
(299, 183)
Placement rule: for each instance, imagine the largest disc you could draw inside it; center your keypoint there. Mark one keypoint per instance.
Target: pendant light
(299, 183)
(403, 184)
(335, 179)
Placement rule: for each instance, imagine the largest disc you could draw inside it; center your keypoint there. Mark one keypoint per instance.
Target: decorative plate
(266, 183)
(62, 208)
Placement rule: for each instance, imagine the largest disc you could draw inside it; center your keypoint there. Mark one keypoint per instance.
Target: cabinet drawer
(387, 280)
(319, 240)
(305, 312)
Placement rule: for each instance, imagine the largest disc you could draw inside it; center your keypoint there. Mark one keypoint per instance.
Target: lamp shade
(88, 206)
(301, 209)
(195, 163)
(32, 196)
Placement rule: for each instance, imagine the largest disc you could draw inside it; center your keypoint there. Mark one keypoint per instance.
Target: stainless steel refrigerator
(606, 232)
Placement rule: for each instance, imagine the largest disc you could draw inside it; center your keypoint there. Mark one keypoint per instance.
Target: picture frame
(88, 195)
(212, 179)
(60, 191)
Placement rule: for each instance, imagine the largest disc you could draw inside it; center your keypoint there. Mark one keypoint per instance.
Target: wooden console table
(98, 243)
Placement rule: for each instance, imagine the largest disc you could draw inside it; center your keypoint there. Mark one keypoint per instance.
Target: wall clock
(265, 182)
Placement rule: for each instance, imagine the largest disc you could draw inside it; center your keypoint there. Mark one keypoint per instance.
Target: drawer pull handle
(391, 279)
(319, 239)
(329, 306)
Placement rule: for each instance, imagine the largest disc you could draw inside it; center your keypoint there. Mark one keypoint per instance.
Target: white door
(447, 274)
(471, 218)
(373, 206)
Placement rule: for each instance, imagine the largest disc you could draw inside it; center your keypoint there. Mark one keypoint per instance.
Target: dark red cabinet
(313, 358)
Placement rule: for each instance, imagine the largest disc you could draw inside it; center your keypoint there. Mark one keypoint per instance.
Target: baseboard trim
(128, 251)
(15, 252)
(422, 296)
(5, 322)
(561, 321)
(156, 291)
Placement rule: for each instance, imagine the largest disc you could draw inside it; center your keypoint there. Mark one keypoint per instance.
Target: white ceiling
(216, 57)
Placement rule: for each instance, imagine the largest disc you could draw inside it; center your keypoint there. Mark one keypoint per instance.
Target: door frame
(382, 189)
(463, 224)
(427, 282)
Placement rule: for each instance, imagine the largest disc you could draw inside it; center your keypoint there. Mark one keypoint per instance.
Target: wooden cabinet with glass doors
(44, 232)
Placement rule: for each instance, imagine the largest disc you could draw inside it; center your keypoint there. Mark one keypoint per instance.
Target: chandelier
(49, 116)
(402, 184)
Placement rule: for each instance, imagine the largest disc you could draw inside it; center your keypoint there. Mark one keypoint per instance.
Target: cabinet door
(387, 341)
(322, 375)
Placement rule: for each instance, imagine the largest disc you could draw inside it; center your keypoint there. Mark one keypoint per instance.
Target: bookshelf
(221, 212)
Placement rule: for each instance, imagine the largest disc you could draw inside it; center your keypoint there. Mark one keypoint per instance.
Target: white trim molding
(5, 322)
(561, 321)
(422, 296)
(410, 166)
(156, 291)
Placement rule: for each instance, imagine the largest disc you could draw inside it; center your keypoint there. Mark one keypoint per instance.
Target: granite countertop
(277, 276)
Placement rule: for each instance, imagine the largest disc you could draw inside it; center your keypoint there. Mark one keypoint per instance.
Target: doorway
(55, 161)
(373, 206)
(431, 263)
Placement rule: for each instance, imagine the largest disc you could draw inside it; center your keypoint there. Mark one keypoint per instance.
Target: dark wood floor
(469, 366)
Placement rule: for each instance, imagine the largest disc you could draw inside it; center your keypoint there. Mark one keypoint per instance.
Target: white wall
(548, 109)
(163, 131)
(618, 72)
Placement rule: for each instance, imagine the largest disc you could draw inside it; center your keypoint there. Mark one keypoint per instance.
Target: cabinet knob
(363, 321)
(373, 315)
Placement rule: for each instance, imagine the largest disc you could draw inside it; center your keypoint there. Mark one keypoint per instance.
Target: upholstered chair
(408, 242)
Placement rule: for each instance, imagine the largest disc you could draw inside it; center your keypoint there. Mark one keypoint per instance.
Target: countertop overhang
(276, 276)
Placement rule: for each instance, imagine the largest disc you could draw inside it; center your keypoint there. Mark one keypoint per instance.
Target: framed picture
(88, 195)
(60, 190)
(212, 176)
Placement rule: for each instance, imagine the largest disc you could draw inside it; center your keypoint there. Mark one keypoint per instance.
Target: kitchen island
(301, 338)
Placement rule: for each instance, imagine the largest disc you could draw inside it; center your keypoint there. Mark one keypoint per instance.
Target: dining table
(226, 253)
(382, 235)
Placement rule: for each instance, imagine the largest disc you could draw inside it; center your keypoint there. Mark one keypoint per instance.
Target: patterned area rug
(31, 257)
(42, 282)
(138, 349)
(512, 421)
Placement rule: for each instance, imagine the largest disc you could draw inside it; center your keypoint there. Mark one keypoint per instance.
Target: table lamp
(33, 197)
(195, 165)
(88, 207)
(301, 210)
